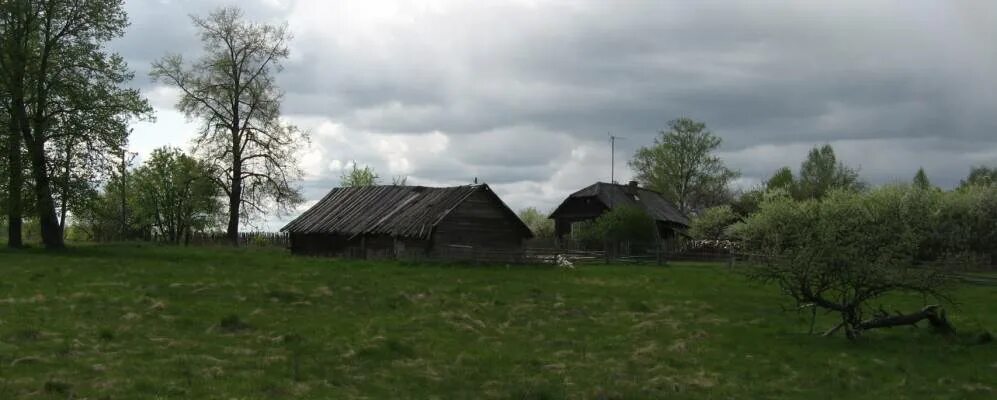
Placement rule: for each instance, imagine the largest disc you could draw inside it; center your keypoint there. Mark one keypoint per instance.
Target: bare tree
(232, 90)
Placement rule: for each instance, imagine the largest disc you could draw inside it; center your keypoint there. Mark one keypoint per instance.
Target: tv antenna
(612, 156)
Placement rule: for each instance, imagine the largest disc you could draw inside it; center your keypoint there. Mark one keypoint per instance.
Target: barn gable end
(481, 221)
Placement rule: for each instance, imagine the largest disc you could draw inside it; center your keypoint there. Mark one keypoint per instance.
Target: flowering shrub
(700, 246)
(845, 253)
(713, 223)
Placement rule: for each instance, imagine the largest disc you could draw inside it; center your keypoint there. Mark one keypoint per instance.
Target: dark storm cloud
(526, 91)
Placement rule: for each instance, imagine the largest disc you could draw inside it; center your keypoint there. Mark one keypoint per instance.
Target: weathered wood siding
(479, 224)
(374, 247)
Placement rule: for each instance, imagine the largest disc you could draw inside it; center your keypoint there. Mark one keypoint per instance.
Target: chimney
(631, 188)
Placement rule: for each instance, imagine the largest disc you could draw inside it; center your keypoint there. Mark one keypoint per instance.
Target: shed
(410, 222)
(589, 203)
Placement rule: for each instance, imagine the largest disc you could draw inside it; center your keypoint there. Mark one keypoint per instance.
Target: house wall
(478, 229)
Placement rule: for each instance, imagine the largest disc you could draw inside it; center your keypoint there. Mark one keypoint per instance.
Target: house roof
(613, 195)
(403, 211)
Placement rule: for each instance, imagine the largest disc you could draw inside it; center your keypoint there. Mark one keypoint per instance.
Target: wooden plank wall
(478, 222)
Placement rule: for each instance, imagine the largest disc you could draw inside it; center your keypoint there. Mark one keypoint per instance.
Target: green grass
(133, 321)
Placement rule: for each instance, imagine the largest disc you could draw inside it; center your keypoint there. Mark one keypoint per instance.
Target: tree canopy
(359, 177)
(175, 194)
(683, 165)
(65, 92)
(713, 223)
(921, 181)
(979, 176)
(539, 223)
(820, 173)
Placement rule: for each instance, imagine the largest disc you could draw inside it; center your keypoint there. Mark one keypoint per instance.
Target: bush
(620, 224)
(626, 224)
(713, 223)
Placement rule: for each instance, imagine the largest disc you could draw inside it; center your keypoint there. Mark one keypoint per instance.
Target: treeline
(65, 110)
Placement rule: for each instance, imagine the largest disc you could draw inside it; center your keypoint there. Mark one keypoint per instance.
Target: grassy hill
(134, 321)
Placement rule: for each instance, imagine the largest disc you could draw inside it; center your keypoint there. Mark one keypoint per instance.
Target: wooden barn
(410, 222)
(591, 202)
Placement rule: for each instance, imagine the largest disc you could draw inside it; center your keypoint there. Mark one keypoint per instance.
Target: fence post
(605, 250)
(730, 261)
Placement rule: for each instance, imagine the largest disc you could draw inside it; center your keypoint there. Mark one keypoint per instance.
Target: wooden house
(589, 203)
(410, 222)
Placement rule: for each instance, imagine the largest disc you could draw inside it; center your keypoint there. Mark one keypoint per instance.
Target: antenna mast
(612, 156)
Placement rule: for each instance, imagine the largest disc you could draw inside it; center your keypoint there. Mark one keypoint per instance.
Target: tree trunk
(15, 183)
(234, 201)
(51, 232)
(63, 209)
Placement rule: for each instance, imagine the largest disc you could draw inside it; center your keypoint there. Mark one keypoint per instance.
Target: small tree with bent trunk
(845, 253)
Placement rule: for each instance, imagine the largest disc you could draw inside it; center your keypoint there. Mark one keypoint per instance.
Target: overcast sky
(523, 93)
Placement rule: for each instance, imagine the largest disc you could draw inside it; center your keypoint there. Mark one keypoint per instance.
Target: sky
(523, 94)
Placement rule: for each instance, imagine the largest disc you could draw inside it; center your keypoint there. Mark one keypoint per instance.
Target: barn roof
(403, 211)
(612, 195)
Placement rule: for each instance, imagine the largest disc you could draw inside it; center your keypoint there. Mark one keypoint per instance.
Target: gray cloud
(522, 94)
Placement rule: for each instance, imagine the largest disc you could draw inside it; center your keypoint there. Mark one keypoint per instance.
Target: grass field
(139, 322)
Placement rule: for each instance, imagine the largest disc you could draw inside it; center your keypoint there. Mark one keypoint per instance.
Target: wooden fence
(246, 239)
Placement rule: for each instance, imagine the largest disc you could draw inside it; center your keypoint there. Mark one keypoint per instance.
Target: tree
(713, 223)
(13, 177)
(781, 179)
(103, 218)
(683, 167)
(539, 223)
(979, 176)
(63, 86)
(358, 177)
(175, 194)
(6, 145)
(746, 202)
(921, 180)
(821, 173)
(233, 91)
(846, 253)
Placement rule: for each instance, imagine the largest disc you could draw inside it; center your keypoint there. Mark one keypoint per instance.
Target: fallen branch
(933, 313)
